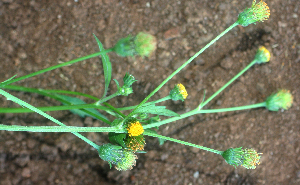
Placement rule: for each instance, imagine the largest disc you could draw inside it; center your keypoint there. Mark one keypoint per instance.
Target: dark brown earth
(38, 34)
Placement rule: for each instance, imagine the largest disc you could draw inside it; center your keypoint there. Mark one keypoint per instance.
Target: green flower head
(262, 55)
(257, 12)
(283, 99)
(122, 158)
(142, 44)
(178, 93)
(128, 80)
(248, 158)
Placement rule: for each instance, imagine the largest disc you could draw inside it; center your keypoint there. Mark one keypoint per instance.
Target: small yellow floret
(251, 158)
(260, 10)
(135, 129)
(266, 53)
(182, 91)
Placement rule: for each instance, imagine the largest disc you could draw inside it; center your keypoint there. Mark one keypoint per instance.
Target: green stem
(147, 133)
(114, 109)
(54, 96)
(107, 98)
(56, 66)
(227, 84)
(258, 105)
(152, 102)
(22, 103)
(53, 108)
(33, 90)
(197, 111)
(181, 67)
(59, 129)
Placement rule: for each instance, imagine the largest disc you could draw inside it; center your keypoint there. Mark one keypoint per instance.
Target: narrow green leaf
(159, 110)
(8, 80)
(106, 66)
(117, 138)
(77, 101)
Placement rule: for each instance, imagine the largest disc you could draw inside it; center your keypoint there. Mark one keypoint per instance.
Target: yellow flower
(262, 55)
(257, 12)
(178, 93)
(135, 128)
(182, 91)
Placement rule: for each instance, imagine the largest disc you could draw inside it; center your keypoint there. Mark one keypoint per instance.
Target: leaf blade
(107, 69)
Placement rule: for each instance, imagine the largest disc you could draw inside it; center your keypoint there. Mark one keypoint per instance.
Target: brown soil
(38, 34)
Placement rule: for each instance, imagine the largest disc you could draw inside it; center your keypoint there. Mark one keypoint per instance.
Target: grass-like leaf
(106, 66)
(77, 101)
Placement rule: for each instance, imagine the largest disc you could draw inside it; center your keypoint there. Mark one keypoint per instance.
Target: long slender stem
(227, 84)
(56, 66)
(114, 109)
(152, 102)
(183, 142)
(53, 108)
(33, 90)
(107, 98)
(197, 111)
(59, 129)
(22, 103)
(58, 98)
(181, 67)
(258, 105)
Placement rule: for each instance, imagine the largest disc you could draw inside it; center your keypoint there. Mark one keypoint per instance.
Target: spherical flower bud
(122, 158)
(134, 128)
(248, 158)
(178, 93)
(257, 12)
(145, 44)
(127, 162)
(142, 44)
(283, 99)
(262, 55)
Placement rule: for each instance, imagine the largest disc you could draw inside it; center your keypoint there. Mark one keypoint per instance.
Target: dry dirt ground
(35, 34)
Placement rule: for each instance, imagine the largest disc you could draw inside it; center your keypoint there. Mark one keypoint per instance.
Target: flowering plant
(126, 132)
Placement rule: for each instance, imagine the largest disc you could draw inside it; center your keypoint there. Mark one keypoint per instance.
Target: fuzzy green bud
(262, 55)
(142, 44)
(128, 80)
(122, 158)
(248, 158)
(283, 99)
(178, 93)
(257, 12)
(126, 89)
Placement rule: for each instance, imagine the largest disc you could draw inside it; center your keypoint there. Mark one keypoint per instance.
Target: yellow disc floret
(260, 10)
(135, 128)
(262, 55)
(257, 12)
(250, 158)
(182, 91)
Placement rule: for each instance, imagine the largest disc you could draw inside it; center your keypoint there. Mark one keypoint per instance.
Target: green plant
(126, 132)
